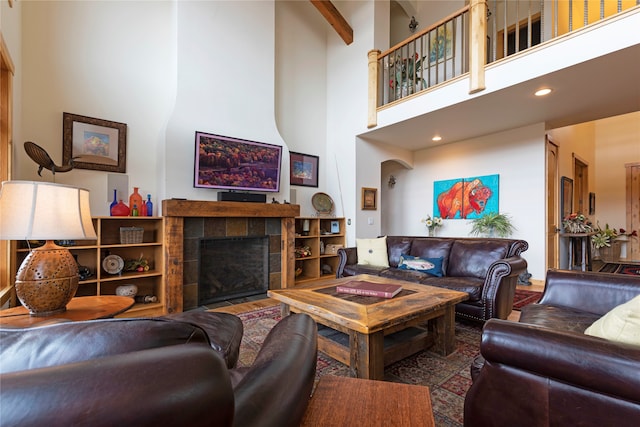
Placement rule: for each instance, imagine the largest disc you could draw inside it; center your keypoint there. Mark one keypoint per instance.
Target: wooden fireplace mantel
(201, 208)
(175, 211)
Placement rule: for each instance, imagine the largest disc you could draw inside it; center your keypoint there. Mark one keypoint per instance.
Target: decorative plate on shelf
(113, 264)
(323, 203)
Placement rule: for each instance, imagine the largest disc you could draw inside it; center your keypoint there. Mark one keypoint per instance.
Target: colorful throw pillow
(372, 252)
(621, 324)
(432, 266)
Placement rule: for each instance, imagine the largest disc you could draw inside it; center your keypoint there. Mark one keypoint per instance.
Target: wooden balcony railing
(466, 41)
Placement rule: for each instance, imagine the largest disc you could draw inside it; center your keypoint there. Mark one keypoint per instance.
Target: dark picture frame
(566, 197)
(592, 203)
(369, 199)
(94, 144)
(303, 169)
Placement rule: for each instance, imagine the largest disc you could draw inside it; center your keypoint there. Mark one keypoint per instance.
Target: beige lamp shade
(48, 277)
(44, 211)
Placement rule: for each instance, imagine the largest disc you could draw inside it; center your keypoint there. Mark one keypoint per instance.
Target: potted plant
(492, 224)
(607, 242)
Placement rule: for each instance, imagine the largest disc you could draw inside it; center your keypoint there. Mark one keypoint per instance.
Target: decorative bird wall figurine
(42, 158)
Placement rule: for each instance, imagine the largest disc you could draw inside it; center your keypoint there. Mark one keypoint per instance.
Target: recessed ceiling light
(436, 138)
(543, 92)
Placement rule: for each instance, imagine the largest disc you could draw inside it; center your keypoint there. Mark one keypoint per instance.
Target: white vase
(623, 246)
(126, 290)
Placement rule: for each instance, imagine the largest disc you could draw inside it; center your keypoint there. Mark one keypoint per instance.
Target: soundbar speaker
(232, 196)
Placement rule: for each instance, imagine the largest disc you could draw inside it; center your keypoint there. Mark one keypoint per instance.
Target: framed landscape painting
(94, 143)
(303, 169)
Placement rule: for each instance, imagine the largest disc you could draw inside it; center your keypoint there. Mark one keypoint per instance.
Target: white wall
(427, 12)
(347, 72)
(108, 60)
(301, 84)
(618, 143)
(517, 155)
(226, 73)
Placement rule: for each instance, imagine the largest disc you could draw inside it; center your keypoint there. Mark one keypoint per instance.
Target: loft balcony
(475, 71)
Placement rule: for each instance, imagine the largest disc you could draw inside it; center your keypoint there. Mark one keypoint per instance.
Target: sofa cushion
(622, 324)
(557, 317)
(373, 252)
(412, 276)
(397, 246)
(472, 258)
(470, 285)
(355, 269)
(431, 247)
(432, 266)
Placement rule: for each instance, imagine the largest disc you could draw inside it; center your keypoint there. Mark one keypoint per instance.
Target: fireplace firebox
(232, 267)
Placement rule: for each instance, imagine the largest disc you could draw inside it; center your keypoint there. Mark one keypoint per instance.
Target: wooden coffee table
(418, 317)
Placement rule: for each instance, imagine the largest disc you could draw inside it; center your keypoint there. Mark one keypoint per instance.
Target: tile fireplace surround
(185, 221)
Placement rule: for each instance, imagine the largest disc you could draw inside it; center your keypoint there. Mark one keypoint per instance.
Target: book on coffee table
(381, 290)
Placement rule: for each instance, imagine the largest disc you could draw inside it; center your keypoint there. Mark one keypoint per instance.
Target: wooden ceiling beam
(337, 21)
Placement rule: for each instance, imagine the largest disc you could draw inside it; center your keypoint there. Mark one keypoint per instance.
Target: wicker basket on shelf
(130, 235)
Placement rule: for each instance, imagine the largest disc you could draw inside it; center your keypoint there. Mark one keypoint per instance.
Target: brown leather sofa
(151, 372)
(544, 371)
(487, 269)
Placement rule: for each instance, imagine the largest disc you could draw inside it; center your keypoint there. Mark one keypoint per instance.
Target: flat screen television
(226, 163)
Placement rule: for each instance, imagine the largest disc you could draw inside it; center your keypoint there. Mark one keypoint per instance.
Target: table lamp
(48, 277)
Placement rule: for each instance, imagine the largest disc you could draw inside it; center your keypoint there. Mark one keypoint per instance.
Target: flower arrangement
(432, 223)
(604, 237)
(576, 223)
(622, 232)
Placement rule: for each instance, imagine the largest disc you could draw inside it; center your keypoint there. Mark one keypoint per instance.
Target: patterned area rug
(612, 267)
(523, 297)
(448, 378)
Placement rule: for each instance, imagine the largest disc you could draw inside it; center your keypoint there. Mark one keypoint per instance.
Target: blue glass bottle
(149, 206)
(115, 201)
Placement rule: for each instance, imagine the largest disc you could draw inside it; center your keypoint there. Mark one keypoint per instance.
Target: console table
(584, 242)
(80, 308)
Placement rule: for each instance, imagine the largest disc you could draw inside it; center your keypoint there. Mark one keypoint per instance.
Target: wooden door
(633, 209)
(553, 212)
(7, 270)
(580, 186)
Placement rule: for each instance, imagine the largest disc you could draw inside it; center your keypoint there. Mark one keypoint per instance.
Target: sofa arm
(500, 285)
(582, 360)
(346, 256)
(596, 293)
(170, 386)
(550, 377)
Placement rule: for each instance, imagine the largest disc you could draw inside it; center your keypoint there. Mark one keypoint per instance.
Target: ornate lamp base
(47, 280)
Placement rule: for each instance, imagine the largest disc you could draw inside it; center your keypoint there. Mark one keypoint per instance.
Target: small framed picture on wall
(369, 199)
(303, 169)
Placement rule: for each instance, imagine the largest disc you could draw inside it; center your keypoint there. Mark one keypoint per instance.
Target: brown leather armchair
(151, 372)
(544, 371)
